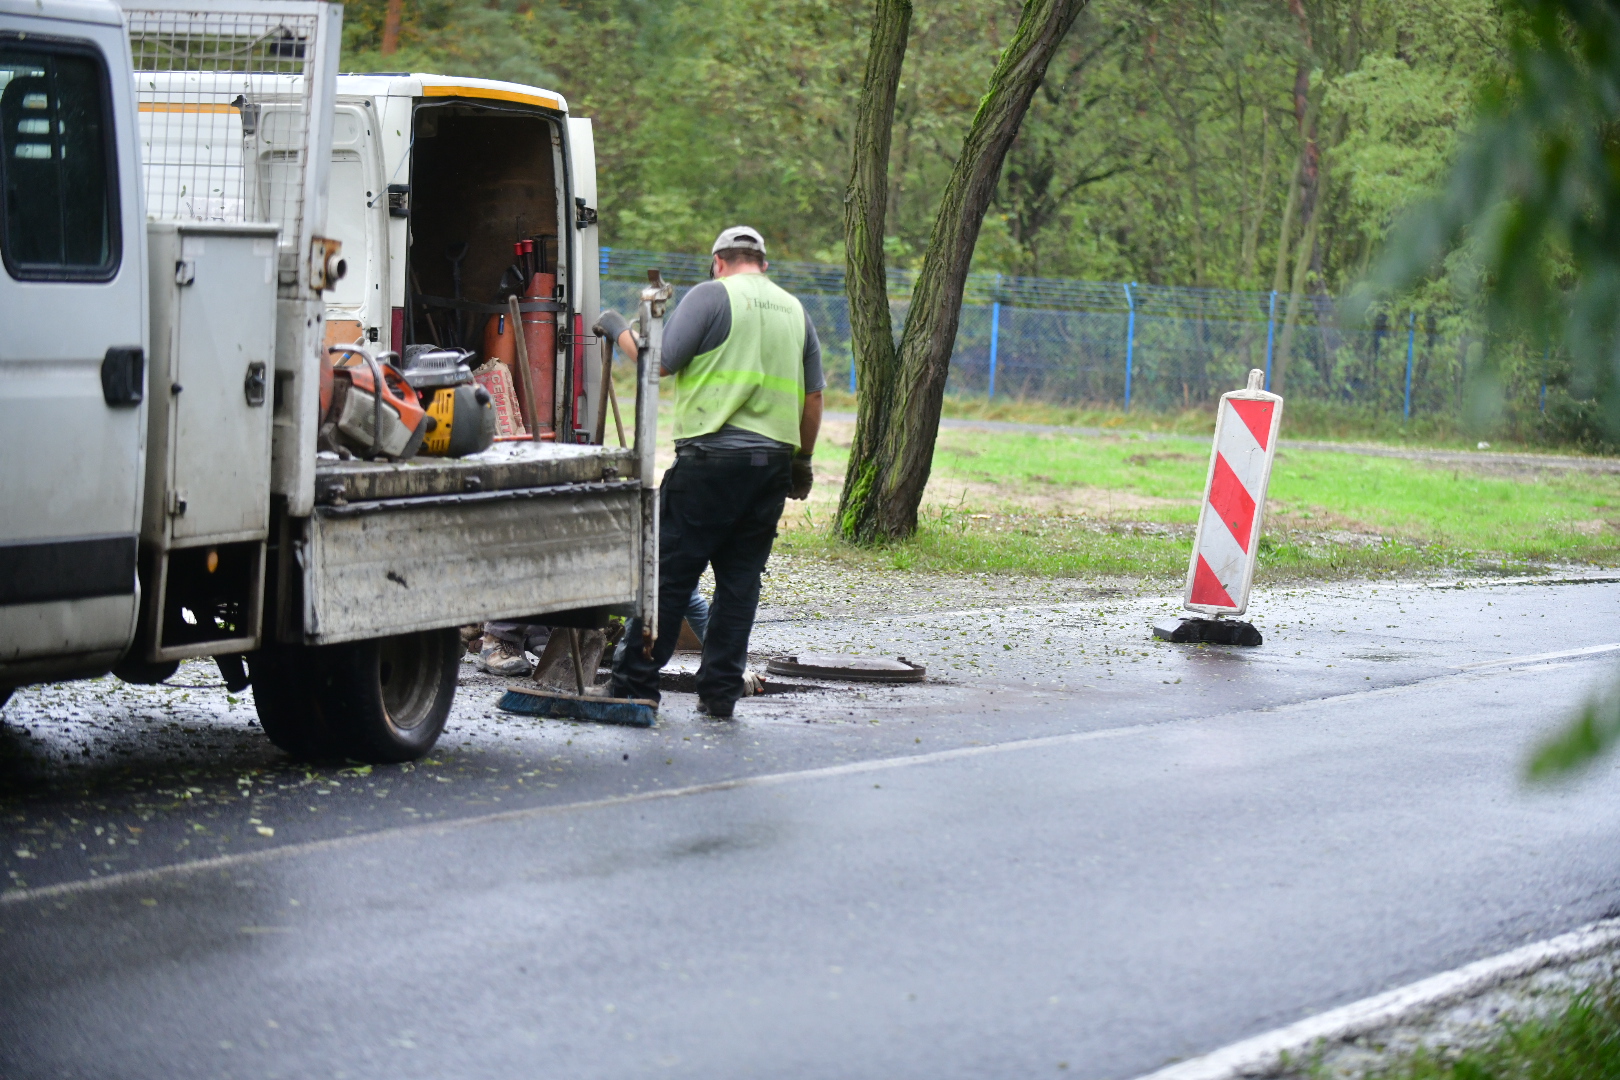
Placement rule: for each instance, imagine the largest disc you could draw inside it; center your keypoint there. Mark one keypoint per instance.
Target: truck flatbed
(506, 466)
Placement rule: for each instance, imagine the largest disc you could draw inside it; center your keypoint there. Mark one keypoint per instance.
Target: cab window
(57, 183)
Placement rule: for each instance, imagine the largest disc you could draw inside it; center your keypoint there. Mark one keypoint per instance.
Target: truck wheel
(389, 697)
(286, 684)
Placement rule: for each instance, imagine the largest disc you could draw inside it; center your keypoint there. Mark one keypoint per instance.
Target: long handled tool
(573, 651)
(525, 377)
(455, 253)
(416, 283)
(608, 397)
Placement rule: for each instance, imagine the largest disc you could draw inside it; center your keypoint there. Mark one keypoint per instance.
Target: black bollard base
(1186, 630)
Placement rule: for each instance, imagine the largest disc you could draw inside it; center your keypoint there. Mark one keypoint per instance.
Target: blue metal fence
(1135, 346)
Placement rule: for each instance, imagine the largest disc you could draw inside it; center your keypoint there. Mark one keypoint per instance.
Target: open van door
(357, 309)
(72, 357)
(585, 258)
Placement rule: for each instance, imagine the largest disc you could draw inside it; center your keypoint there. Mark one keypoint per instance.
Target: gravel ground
(795, 589)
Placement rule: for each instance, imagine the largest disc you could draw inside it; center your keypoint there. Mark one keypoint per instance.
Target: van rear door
(357, 308)
(72, 357)
(585, 259)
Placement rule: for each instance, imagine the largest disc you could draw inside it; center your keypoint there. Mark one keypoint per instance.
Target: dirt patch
(1288, 518)
(1039, 495)
(1148, 459)
(808, 588)
(1594, 527)
(1044, 498)
(1489, 463)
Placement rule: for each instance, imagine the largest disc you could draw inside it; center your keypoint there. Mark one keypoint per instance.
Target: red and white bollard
(1228, 538)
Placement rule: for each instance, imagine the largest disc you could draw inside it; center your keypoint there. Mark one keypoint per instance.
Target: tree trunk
(391, 21)
(1197, 206)
(1305, 258)
(1251, 234)
(889, 470)
(866, 204)
(1279, 278)
(1285, 342)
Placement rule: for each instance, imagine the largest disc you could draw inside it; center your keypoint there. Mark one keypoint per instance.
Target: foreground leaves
(1593, 733)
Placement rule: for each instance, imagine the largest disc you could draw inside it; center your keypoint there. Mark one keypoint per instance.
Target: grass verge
(951, 543)
(1307, 420)
(1074, 506)
(1059, 505)
(1580, 1042)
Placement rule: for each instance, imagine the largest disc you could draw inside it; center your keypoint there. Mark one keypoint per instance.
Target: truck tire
(286, 681)
(389, 697)
(379, 701)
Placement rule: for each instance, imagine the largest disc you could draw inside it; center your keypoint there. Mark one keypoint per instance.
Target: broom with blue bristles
(559, 705)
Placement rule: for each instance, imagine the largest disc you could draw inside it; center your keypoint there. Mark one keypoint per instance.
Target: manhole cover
(849, 668)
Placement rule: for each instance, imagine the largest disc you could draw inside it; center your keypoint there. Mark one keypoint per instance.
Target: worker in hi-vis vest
(748, 382)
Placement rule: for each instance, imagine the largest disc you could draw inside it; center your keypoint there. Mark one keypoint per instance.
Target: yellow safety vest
(754, 380)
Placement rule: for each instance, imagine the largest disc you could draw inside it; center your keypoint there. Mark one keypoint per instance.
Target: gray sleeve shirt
(702, 321)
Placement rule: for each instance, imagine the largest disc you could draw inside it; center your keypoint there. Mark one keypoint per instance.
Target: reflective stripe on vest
(754, 379)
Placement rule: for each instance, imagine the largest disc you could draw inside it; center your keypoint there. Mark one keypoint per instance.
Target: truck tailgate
(523, 529)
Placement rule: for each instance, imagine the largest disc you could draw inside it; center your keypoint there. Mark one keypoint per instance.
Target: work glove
(610, 325)
(802, 477)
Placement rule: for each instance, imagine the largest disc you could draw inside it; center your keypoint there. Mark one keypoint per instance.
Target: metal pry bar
(655, 297)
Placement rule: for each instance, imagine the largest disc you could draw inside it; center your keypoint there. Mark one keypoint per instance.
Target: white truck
(195, 207)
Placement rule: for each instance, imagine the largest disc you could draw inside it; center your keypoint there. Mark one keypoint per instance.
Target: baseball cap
(738, 236)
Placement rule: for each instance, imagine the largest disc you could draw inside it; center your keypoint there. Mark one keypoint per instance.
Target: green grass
(1043, 547)
(1075, 506)
(1119, 504)
(1580, 1042)
(1301, 420)
(1521, 516)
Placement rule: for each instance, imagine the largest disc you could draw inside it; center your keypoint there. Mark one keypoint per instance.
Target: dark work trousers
(716, 509)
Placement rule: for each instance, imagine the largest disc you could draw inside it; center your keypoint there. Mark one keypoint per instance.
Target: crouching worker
(748, 382)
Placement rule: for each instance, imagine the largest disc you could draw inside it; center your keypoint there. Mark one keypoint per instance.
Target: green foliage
(1592, 733)
(448, 37)
(1063, 505)
(1534, 200)
(1406, 107)
(1160, 148)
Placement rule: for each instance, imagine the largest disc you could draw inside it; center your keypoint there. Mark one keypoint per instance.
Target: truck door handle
(121, 375)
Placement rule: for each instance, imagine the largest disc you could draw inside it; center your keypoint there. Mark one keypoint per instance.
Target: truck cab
(73, 302)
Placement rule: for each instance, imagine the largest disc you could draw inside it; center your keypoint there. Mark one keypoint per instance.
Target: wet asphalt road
(1075, 852)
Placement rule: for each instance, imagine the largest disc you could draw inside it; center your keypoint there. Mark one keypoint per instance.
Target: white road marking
(223, 862)
(1590, 650)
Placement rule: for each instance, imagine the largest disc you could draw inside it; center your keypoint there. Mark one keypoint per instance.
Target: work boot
(499, 659)
(719, 710)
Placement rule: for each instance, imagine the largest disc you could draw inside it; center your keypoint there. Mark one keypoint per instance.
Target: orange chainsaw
(374, 412)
